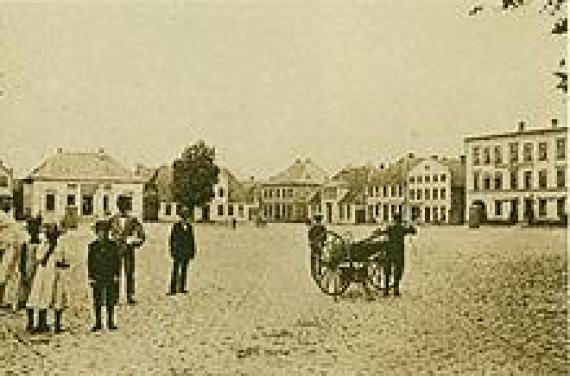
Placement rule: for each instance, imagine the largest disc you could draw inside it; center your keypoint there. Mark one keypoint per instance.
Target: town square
(284, 188)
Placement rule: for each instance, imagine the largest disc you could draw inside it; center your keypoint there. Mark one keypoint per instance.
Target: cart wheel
(376, 272)
(325, 266)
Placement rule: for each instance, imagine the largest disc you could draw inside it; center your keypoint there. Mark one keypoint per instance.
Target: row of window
(87, 203)
(385, 191)
(278, 193)
(229, 209)
(483, 155)
(484, 182)
(542, 207)
(436, 178)
(428, 194)
(278, 211)
(430, 214)
(374, 210)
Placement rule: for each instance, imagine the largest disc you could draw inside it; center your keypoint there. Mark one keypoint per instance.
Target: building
(6, 188)
(387, 191)
(162, 181)
(342, 199)
(436, 190)
(517, 176)
(286, 196)
(233, 199)
(87, 184)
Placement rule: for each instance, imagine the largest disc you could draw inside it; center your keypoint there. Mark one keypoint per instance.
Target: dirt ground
(491, 301)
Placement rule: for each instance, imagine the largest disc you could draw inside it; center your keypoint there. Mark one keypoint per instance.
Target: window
(527, 152)
(542, 207)
(435, 193)
(106, 204)
(542, 151)
(436, 214)
(443, 211)
(498, 154)
(386, 213)
(3, 181)
(427, 178)
(230, 210)
(476, 181)
(443, 193)
(476, 156)
(393, 191)
(514, 152)
(220, 210)
(412, 194)
(290, 192)
(371, 191)
(377, 210)
(278, 193)
(514, 180)
(400, 191)
(561, 149)
(426, 194)
(50, 202)
(221, 192)
(385, 191)
(419, 193)
(377, 189)
(498, 180)
(487, 182)
(528, 180)
(443, 177)
(561, 177)
(70, 200)
(435, 178)
(412, 179)
(542, 179)
(498, 208)
(420, 179)
(561, 207)
(168, 209)
(487, 155)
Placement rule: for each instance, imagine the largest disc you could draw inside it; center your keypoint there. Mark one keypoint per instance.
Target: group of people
(35, 265)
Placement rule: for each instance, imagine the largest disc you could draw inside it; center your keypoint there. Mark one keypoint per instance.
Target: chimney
(59, 150)
(554, 123)
(521, 126)
(252, 179)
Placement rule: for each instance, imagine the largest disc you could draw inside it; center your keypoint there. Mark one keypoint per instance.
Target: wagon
(342, 261)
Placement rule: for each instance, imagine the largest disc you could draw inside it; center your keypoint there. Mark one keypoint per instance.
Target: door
(329, 212)
(87, 205)
(427, 214)
(514, 210)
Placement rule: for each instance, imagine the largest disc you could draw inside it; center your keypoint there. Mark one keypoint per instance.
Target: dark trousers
(178, 278)
(395, 268)
(128, 261)
(105, 294)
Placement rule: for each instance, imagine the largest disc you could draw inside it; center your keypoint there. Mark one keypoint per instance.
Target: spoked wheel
(376, 273)
(326, 266)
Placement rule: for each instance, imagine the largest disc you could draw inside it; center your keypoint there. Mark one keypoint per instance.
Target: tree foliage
(194, 175)
(555, 9)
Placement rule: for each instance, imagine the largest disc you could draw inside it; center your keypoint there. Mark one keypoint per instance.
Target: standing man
(317, 238)
(104, 269)
(182, 250)
(129, 234)
(396, 235)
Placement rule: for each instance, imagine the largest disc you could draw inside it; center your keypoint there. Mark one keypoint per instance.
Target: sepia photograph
(284, 187)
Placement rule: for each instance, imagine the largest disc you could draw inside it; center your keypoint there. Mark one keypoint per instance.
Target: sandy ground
(475, 302)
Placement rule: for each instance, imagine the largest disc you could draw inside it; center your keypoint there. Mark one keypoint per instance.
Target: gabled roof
(300, 173)
(396, 173)
(98, 166)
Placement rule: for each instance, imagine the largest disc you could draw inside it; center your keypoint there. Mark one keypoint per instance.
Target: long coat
(103, 269)
(182, 242)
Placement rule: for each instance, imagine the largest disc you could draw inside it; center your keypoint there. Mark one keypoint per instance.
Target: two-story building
(286, 196)
(387, 190)
(436, 190)
(518, 176)
(88, 184)
(6, 188)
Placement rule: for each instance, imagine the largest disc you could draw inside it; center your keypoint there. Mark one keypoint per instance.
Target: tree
(194, 175)
(553, 8)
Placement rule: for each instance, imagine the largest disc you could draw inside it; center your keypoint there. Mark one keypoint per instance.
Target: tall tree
(553, 8)
(194, 175)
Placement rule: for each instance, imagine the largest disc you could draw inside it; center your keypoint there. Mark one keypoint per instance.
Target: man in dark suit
(129, 234)
(317, 238)
(182, 250)
(395, 251)
(103, 269)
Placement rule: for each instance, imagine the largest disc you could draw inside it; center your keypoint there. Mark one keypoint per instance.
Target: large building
(436, 190)
(6, 188)
(286, 196)
(88, 184)
(518, 176)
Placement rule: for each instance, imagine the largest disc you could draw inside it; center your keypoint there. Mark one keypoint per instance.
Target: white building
(6, 188)
(436, 190)
(88, 184)
(512, 176)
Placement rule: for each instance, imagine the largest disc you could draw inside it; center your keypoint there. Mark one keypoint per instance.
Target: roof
(355, 176)
(395, 173)
(528, 132)
(300, 173)
(97, 166)
(355, 195)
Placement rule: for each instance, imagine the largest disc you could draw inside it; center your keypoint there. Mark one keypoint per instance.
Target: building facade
(86, 184)
(287, 195)
(518, 176)
(6, 188)
(436, 191)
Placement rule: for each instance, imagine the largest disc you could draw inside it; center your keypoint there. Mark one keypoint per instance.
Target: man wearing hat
(317, 238)
(182, 250)
(129, 234)
(395, 251)
(103, 269)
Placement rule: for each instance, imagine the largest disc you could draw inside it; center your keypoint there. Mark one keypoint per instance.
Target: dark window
(514, 180)
(443, 177)
(386, 213)
(230, 210)
(278, 193)
(426, 194)
(240, 210)
(70, 200)
(50, 202)
(527, 152)
(168, 209)
(498, 208)
(220, 210)
(412, 179)
(420, 179)
(542, 179)
(514, 152)
(498, 154)
(542, 207)
(435, 178)
(436, 214)
(487, 155)
(220, 192)
(561, 206)
(3, 181)
(443, 193)
(476, 181)
(393, 191)
(561, 149)
(476, 156)
(435, 193)
(419, 193)
(385, 191)
(542, 151)
(498, 180)
(106, 204)
(561, 178)
(487, 183)
(443, 213)
(528, 179)
(427, 178)
(377, 210)
(400, 191)
(412, 194)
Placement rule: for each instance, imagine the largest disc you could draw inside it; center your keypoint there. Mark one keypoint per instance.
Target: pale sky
(342, 82)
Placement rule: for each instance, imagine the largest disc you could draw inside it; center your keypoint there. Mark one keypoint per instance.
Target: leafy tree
(553, 8)
(194, 175)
